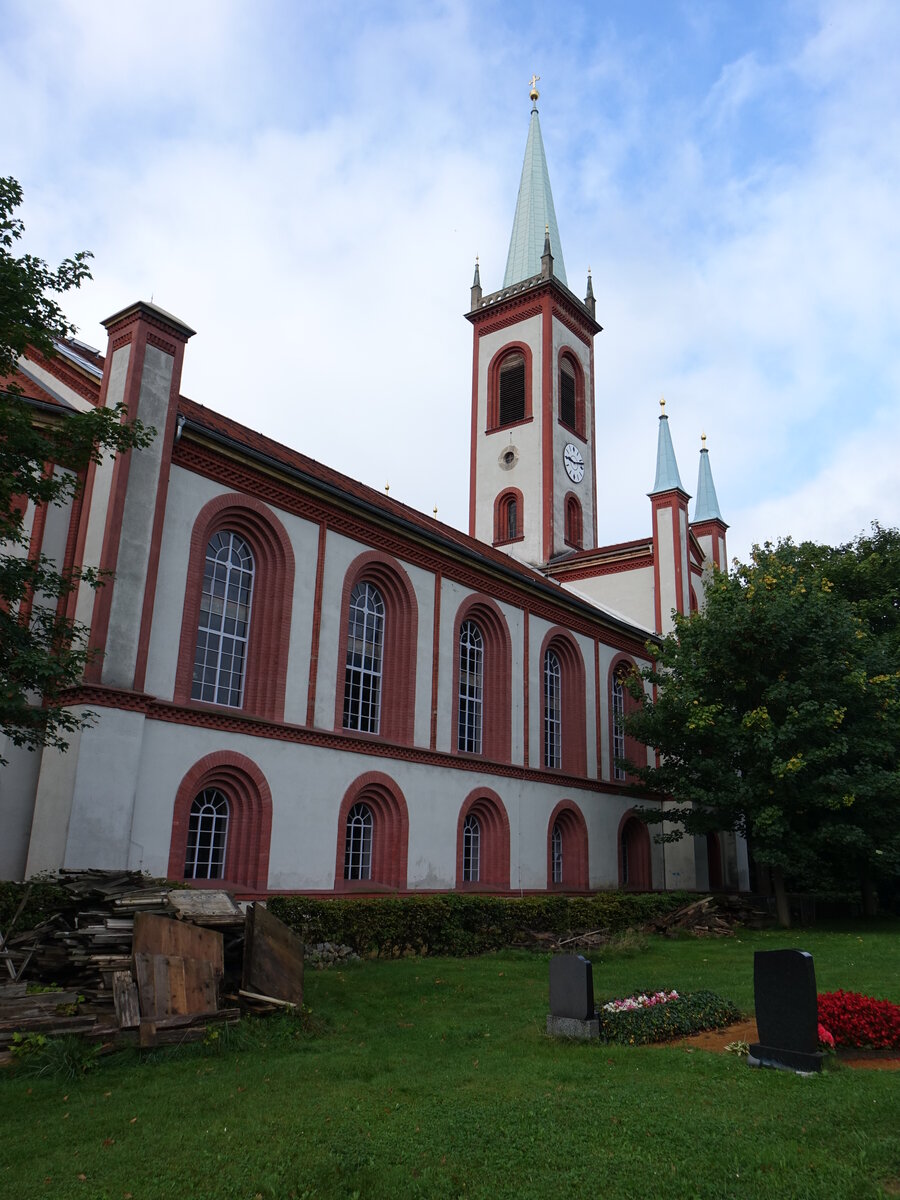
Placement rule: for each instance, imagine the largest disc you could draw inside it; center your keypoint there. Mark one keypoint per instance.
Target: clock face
(574, 463)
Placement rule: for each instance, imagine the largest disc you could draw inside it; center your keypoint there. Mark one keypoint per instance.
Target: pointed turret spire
(476, 286)
(707, 505)
(590, 302)
(667, 476)
(534, 211)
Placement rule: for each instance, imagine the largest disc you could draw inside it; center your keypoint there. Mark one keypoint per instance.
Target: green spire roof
(667, 476)
(707, 506)
(534, 214)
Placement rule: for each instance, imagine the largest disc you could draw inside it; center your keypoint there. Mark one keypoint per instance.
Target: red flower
(825, 1038)
(856, 1020)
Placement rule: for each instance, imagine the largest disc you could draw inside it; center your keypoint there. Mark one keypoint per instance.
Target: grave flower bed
(860, 1021)
(662, 1016)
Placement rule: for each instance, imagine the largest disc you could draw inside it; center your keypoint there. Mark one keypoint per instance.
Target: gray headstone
(784, 988)
(571, 987)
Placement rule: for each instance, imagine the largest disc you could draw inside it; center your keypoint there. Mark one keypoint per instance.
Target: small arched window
(552, 711)
(358, 843)
(471, 849)
(571, 393)
(508, 517)
(207, 836)
(556, 853)
(574, 522)
(471, 688)
(223, 626)
(365, 649)
(511, 387)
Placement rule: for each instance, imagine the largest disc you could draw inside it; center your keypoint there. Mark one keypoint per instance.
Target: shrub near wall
(463, 924)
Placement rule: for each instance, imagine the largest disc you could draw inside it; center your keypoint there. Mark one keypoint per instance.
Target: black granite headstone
(784, 988)
(571, 987)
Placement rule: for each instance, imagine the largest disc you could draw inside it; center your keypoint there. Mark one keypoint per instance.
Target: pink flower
(825, 1038)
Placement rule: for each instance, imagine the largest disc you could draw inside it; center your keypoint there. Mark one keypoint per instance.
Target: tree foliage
(43, 455)
(777, 711)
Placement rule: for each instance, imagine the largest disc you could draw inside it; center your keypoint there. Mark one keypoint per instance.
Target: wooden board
(273, 957)
(162, 935)
(170, 984)
(214, 908)
(125, 998)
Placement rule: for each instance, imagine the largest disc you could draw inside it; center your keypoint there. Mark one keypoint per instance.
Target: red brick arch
(497, 696)
(572, 697)
(510, 495)
(401, 623)
(390, 833)
(270, 615)
(249, 819)
(573, 828)
(486, 805)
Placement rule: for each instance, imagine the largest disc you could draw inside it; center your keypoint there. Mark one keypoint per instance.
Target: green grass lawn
(433, 1077)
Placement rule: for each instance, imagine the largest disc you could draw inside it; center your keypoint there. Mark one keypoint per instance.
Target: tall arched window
(571, 393)
(635, 869)
(574, 522)
(556, 854)
(471, 849)
(512, 389)
(207, 836)
(552, 711)
(358, 843)
(223, 627)
(365, 648)
(471, 688)
(508, 516)
(618, 724)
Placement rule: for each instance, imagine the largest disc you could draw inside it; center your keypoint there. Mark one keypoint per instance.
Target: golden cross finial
(662, 405)
(534, 92)
(387, 488)
(703, 440)
(434, 510)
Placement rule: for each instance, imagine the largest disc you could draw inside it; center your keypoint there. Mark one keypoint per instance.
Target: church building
(302, 685)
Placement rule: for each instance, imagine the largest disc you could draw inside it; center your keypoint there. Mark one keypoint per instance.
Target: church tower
(707, 525)
(671, 557)
(532, 486)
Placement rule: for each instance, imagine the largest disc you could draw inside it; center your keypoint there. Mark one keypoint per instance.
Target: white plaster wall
(53, 805)
(96, 526)
(683, 555)
(627, 592)
(135, 532)
(723, 560)
(490, 478)
(666, 547)
(56, 533)
(340, 552)
(56, 385)
(18, 785)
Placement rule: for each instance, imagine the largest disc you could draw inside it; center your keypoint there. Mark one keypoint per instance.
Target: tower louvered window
(567, 394)
(512, 389)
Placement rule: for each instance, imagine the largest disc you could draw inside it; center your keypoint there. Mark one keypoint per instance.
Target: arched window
(365, 647)
(236, 621)
(552, 711)
(634, 855)
(482, 842)
(556, 854)
(358, 843)
(222, 823)
(508, 517)
(471, 688)
(571, 393)
(563, 704)
(509, 386)
(375, 688)
(567, 849)
(574, 522)
(207, 836)
(471, 849)
(223, 627)
(618, 725)
(372, 835)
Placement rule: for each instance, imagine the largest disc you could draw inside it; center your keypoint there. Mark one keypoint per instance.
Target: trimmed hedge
(455, 924)
(692, 1012)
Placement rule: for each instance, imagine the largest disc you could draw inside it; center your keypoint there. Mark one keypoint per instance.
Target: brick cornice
(85, 386)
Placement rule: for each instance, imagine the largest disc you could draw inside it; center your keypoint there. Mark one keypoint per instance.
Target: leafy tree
(42, 650)
(777, 713)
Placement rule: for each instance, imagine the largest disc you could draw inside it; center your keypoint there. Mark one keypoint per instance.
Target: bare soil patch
(745, 1031)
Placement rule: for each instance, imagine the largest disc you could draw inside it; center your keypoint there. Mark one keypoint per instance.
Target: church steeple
(706, 507)
(667, 476)
(535, 213)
